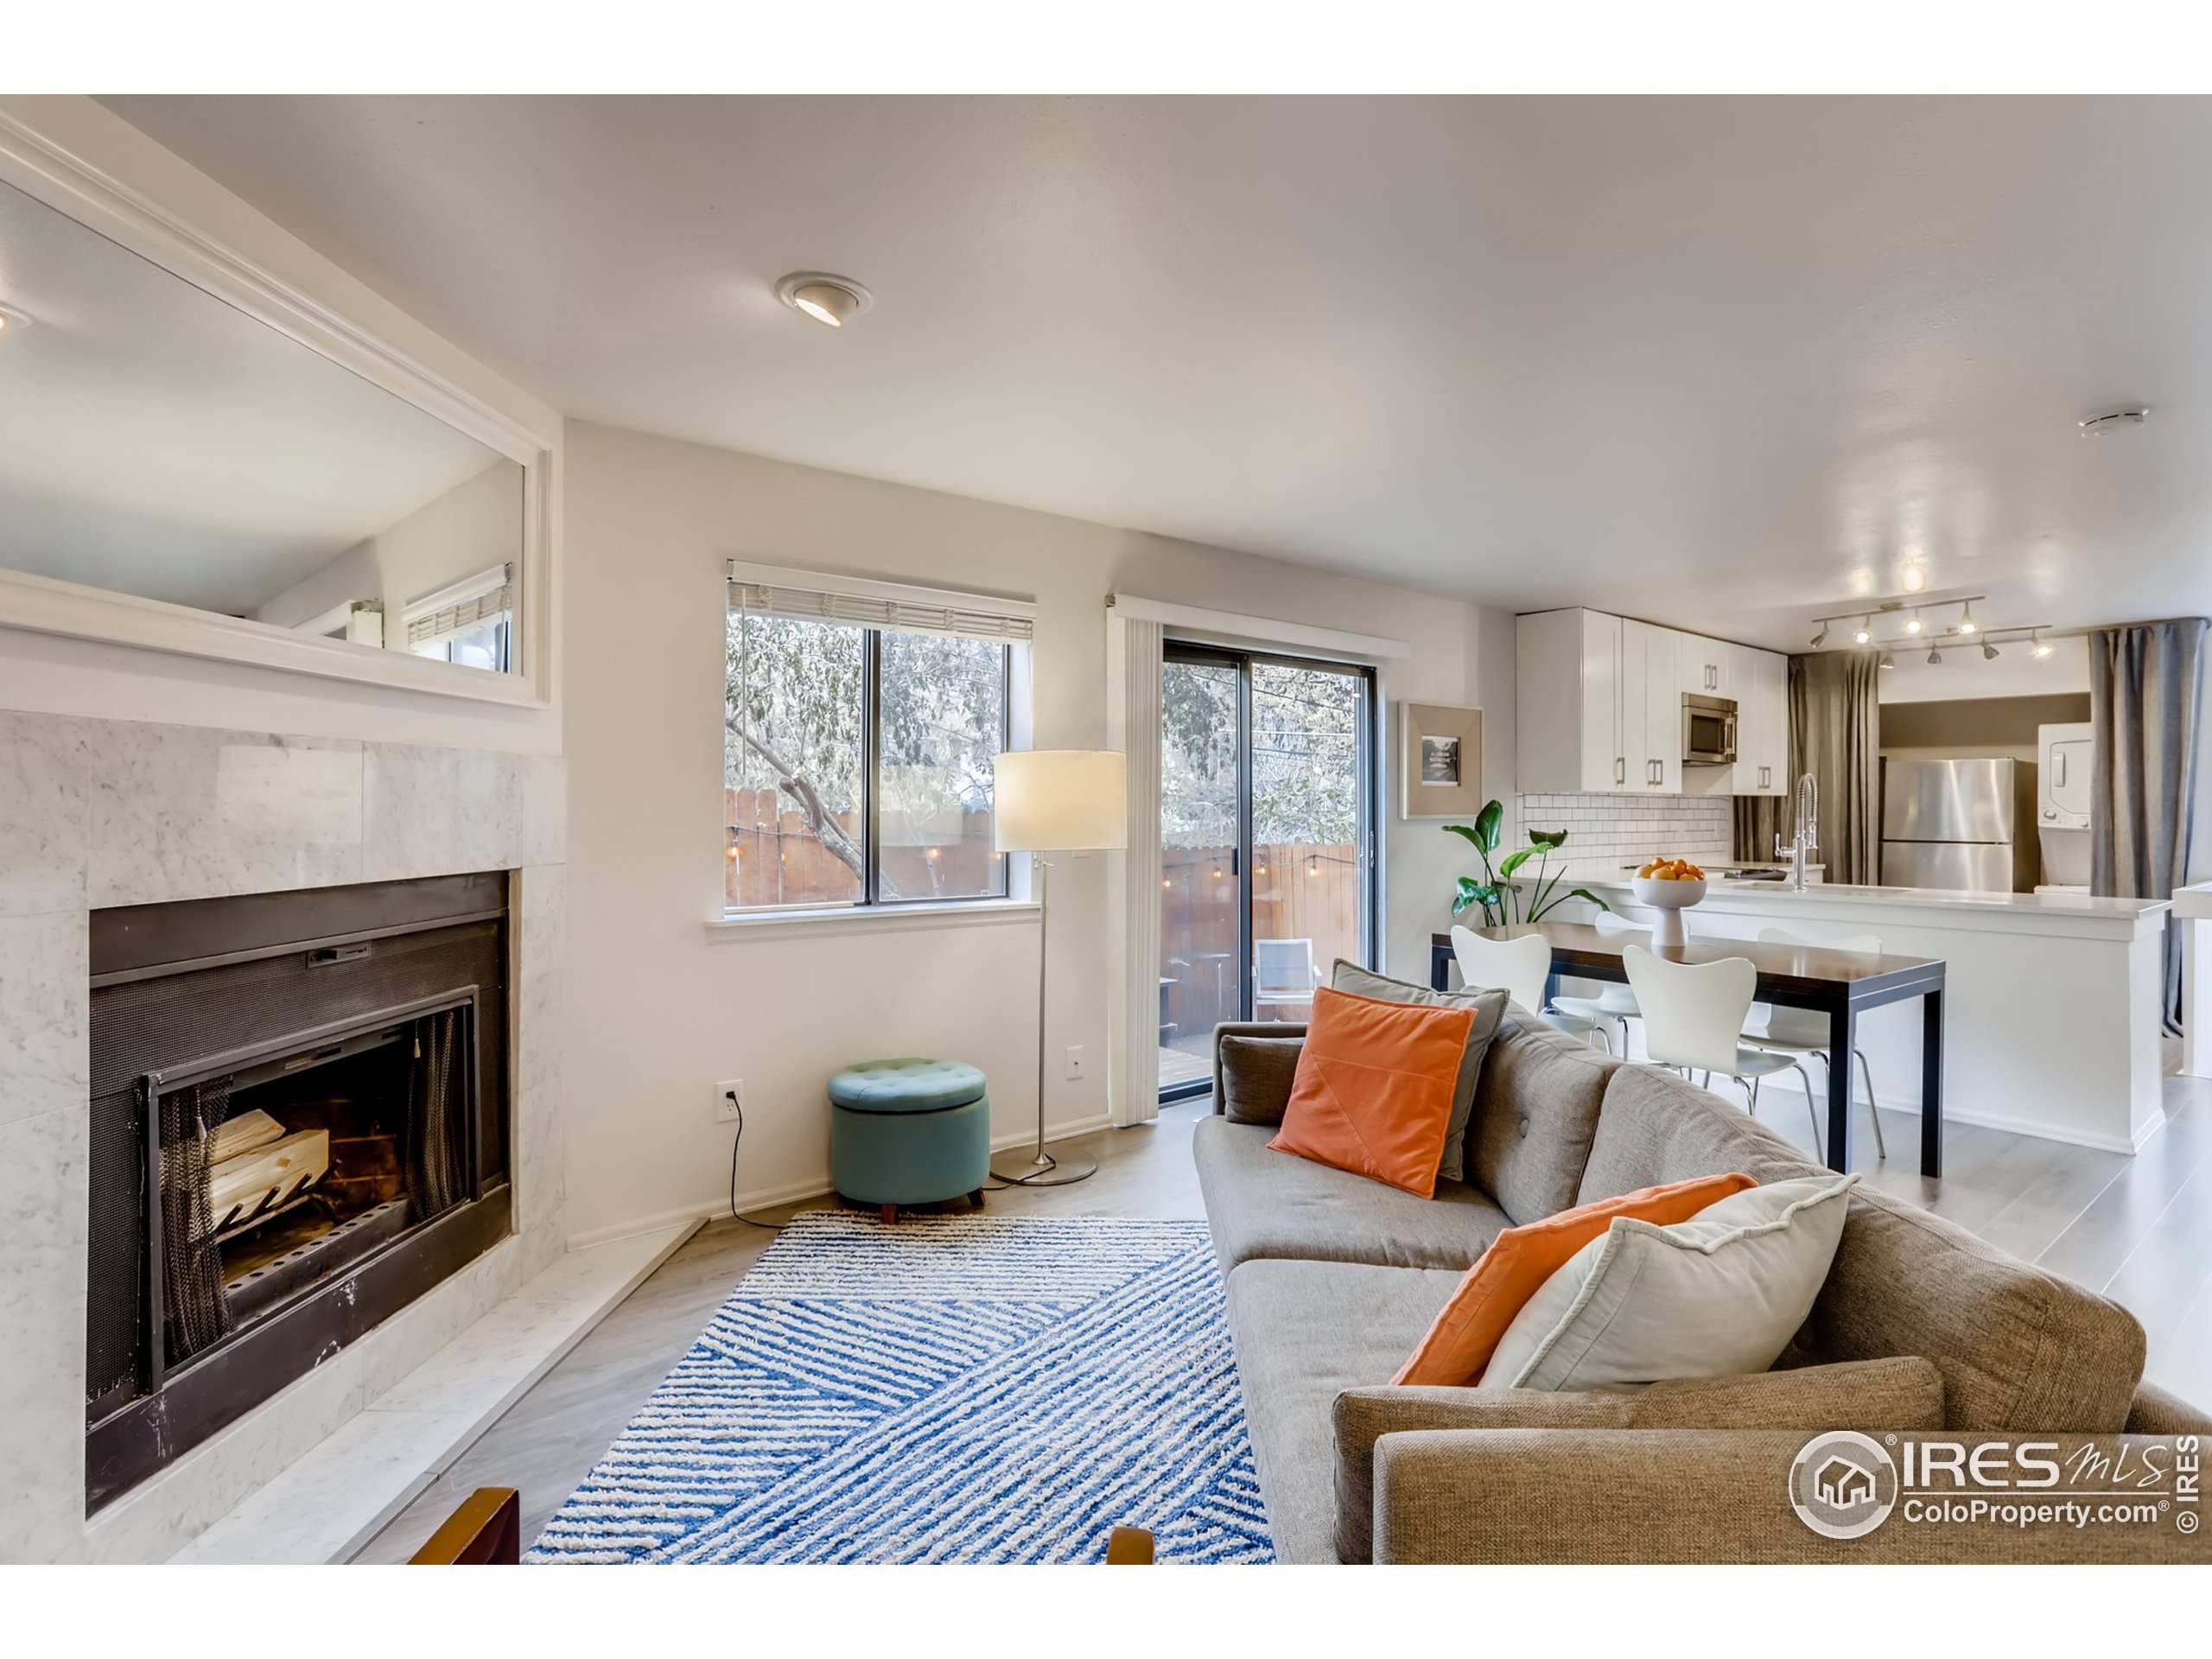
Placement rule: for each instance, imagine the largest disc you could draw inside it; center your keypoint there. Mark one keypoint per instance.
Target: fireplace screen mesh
(192, 1261)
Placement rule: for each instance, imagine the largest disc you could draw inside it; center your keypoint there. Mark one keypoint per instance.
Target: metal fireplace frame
(185, 1404)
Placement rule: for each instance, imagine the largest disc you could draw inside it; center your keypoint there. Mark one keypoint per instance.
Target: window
(858, 753)
(470, 622)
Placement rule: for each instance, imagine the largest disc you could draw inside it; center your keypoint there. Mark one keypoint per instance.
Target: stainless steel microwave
(1708, 730)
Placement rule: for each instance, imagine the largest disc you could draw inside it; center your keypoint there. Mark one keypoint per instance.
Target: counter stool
(909, 1131)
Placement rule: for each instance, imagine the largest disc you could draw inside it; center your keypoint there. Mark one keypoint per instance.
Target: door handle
(1620, 769)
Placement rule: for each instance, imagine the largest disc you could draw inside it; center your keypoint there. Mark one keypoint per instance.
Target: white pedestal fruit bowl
(1670, 899)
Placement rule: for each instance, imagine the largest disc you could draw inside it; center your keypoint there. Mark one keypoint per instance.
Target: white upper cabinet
(1763, 724)
(1598, 708)
(1567, 704)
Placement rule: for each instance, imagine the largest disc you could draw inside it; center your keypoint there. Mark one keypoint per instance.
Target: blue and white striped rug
(970, 1388)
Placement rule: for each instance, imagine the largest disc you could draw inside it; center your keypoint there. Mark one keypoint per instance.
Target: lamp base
(1041, 1169)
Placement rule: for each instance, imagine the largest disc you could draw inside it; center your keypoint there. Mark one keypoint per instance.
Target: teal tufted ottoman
(910, 1131)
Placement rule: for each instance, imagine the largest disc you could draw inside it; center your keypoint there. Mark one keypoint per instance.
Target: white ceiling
(1723, 363)
(156, 441)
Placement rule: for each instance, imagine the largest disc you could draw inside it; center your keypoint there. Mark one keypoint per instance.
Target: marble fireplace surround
(96, 812)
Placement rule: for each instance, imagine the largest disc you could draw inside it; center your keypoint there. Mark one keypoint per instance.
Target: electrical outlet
(1075, 1062)
(725, 1108)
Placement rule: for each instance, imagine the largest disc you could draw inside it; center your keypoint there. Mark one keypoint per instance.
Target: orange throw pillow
(1518, 1262)
(1373, 1089)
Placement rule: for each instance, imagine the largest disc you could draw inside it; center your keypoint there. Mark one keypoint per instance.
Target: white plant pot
(1668, 899)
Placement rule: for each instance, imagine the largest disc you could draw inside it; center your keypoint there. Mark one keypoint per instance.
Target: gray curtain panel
(1759, 819)
(1835, 726)
(2144, 683)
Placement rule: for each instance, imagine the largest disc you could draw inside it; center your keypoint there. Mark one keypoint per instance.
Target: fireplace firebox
(299, 1125)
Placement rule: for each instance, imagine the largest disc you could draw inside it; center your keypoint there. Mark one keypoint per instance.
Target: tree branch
(831, 833)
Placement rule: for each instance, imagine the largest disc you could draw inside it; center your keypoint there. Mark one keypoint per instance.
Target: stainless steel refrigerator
(1966, 825)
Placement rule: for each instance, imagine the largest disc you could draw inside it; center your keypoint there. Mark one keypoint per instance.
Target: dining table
(1842, 984)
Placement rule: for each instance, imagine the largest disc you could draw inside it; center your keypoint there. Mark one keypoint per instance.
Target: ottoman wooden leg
(975, 1197)
(890, 1214)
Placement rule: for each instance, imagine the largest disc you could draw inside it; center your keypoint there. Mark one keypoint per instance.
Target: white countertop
(1843, 896)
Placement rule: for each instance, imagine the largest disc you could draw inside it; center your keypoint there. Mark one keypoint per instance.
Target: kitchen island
(2051, 1025)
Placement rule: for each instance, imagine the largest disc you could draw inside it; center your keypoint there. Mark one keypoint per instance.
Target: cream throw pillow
(1719, 1295)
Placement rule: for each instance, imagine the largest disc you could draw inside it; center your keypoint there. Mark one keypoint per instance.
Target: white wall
(660, 1011)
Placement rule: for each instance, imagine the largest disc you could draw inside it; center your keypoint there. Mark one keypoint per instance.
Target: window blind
(461, 607)
(969, 616)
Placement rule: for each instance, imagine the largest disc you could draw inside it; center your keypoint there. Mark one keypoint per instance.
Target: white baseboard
(812, 1186)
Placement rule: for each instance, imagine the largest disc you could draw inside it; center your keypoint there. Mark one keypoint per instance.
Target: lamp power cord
(737, 1141)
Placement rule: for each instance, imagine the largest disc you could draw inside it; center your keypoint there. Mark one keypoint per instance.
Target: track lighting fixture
(1935, 656)
(1886, 661)
(1988, 651)
(1913, 624)
(1864, 634)
(1966, 624)
(2037, 644)
(1820, 638)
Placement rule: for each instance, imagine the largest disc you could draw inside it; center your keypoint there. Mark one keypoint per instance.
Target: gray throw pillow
(1256, 1074)
(1490, 1010)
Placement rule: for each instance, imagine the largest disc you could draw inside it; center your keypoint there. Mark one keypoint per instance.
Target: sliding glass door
(1267, 828)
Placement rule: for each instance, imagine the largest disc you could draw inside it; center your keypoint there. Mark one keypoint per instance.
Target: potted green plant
(1501, 898)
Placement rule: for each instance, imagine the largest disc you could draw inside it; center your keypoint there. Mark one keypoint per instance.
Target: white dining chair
(1613, 1002)
(1522, 968)
(1805, 1031)
(1693, 1014)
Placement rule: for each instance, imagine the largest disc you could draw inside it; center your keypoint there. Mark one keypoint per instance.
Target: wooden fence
(1298, 893)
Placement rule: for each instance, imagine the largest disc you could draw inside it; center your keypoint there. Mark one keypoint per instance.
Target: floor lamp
(1054, 801)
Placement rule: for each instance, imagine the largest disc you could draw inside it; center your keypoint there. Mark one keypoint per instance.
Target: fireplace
(299, 1125)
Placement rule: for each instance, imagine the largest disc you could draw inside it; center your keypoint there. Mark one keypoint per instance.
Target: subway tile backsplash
(1606, 831)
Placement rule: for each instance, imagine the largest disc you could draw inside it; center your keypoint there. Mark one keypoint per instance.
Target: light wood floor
(2138, 1229)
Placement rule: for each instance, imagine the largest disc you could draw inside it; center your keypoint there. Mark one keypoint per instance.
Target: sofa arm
(1608, 1497)
(1268, 1092)
(2156, 1412)
(1904, 1393)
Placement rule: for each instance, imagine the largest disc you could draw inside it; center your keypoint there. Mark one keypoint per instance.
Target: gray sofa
(1333, 1279)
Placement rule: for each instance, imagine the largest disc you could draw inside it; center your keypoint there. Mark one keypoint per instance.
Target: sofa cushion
(2019, 1349)
(1656, 1128)
(1537, 1109)
(1262, 1202)
(1878, 1394)
(1490, 1010)
(1305, 1332)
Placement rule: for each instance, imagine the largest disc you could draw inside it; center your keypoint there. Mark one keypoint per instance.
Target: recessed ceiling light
(2114, 420)
(831, 299)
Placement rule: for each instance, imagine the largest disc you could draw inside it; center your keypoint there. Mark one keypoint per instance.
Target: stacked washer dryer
(2063, 754)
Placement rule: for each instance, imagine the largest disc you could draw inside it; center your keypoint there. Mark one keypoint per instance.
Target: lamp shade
(1059, 800)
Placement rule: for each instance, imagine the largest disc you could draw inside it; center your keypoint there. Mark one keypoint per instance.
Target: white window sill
(869, 918)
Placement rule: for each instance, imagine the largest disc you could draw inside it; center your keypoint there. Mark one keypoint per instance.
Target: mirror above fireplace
(194, 459)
